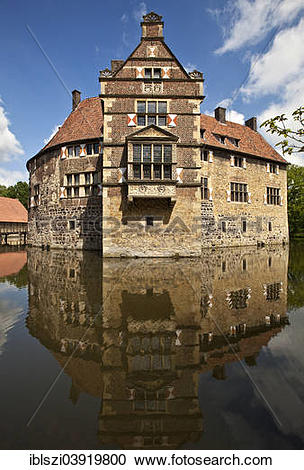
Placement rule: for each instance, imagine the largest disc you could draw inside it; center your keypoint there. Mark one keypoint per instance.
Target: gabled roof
(250, 142)
(159, 132)
(11, 210)
(85, 122)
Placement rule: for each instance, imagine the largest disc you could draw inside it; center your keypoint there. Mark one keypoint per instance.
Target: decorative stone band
(62, 193)
(179, 173)
(249, 198)
(210, 156)
(210, 194)
(122, 172)
(172, 120)
(228, 195)
(268, 167)
(231, 160)
(83, 151)
(156, 190)
(151, 51)
(277, 169)
(244, 163)
(132, 120)
(63, 153)
(140, 71)
(32, 201)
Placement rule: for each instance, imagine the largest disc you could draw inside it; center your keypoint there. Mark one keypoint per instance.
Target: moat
(152, 353)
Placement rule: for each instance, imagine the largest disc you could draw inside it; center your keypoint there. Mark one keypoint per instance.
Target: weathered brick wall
(257, 214)
(49, 219)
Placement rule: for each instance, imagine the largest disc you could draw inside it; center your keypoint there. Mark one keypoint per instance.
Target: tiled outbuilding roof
(11, 210)
(85, 122)
(249, 141)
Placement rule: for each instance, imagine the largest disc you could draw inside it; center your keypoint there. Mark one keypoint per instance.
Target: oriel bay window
(152, 112)
(152, 161)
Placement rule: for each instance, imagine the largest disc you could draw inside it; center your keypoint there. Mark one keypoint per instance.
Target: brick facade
(139, 171)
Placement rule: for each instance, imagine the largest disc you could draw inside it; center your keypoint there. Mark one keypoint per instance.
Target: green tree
(19, 191)
(292, 139)
(295, 185)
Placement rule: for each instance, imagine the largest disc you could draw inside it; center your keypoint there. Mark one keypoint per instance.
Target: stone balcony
(152, 190)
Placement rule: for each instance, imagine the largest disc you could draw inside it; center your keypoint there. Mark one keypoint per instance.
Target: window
(239, 192)
(153, 73)
(273, 292)
(272, 168)
(82, 184)
(77, 150)
(220, 138)
(148, 73)
(71, 151)
(204, 155)
(202, 131)
(89, 149)
(96, 148)
(234, 141)
(238, 161)
(204, 188)
(36, 194)
(244, 226)
(244, 264)
(238, 299)
(224, 227)
(72, 224)
(152, 161)
(270, 226)
(273, 196)
(152, 112)
(149, 221)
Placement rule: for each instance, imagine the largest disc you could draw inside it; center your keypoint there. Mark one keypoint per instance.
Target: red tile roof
(250, 142)
(11, 210)
(85, 122)
(12, 263)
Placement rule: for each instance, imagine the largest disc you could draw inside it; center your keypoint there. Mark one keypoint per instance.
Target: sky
(250, 52)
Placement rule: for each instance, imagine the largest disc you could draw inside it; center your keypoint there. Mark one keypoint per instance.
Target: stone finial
(152, 26)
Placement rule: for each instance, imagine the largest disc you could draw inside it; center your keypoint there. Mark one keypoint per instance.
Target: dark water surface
(150, 353)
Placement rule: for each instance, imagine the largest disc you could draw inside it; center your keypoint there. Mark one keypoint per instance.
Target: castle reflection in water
(141, 331)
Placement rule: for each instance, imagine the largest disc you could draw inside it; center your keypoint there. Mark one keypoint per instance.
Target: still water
(150, 353)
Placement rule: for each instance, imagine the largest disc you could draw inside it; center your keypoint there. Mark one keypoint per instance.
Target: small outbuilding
(13, 221)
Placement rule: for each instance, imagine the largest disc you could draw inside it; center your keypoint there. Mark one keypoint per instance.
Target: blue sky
(250, 51)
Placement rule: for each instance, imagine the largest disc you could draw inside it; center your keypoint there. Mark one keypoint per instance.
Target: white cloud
(139, 11)
(54, 130)
(250, 21)
(124, 18)
(10, 147)
(11, 177)
(235, 116)
(279, 67)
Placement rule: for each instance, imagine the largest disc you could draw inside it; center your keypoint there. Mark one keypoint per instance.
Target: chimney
(76, 98)
(116, 64)
(252, 123)
(152, 26)
(220, 114)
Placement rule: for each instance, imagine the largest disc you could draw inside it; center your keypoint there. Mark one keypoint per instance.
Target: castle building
(139, 171)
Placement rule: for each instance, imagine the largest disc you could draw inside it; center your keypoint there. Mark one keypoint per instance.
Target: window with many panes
(272, 168)
(152, 112)
(204, 188)
(82, 184)
(238, 299)
(273, 196)
(239, 192)
(152, 161)
(273, 292)
(91, 149)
